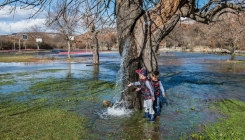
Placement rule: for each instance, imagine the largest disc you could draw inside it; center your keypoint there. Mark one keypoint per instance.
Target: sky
(20, 21)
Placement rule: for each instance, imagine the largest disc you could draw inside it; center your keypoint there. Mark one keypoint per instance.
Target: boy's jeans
(156, 102)
(156, 105)
(148, 105)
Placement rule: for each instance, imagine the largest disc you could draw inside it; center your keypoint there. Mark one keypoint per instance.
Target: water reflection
(151, 130)
(69, 75)
(95, 72)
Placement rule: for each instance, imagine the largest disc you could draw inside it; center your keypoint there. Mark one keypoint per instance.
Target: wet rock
(107, 103)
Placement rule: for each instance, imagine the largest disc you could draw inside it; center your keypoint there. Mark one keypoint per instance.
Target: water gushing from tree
(119, 107)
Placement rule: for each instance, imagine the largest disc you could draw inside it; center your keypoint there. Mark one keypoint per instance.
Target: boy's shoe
(146, 115)
(158, 112)
(152, 119)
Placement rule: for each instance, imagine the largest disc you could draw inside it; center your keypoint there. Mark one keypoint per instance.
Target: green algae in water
(231, 126)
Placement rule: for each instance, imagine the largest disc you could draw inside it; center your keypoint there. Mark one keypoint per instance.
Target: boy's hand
(137, 89)
(163, 95)
(129, 84)
(153, 98)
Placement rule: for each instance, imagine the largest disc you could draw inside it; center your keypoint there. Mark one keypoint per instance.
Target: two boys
(150, 90)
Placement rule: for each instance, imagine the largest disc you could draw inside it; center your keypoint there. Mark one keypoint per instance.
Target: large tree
(145, 29)
(142, 24)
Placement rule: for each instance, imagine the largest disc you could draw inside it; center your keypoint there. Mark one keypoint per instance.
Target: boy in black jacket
(157, 86)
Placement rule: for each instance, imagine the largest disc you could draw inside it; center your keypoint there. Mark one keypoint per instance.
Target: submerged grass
(230, 127)
(90, 90)
(137, 128)
(7, 79)
(8, 82)
(6, 76)
(42, 110)
(21, 121)
(51, 70)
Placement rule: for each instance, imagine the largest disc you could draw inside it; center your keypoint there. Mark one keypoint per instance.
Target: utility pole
(19, 44)
(25, 37)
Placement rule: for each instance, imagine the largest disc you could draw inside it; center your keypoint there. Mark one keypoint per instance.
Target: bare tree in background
(95, 21)
(230, 32)
(89, 22)
(69, 15)
(142, 24)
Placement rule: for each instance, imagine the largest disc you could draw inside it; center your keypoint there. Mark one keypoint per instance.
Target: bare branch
(211, 11)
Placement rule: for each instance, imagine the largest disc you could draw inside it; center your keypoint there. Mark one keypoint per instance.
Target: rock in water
(107, 103)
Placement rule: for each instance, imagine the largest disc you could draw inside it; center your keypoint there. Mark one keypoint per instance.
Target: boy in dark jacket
(147, 93)
(157, 87)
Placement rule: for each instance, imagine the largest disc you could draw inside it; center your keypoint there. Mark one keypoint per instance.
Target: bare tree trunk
(233, 46)
(69, 49)
(95, 46)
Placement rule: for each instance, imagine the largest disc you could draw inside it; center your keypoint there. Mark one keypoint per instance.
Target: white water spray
(119, 106)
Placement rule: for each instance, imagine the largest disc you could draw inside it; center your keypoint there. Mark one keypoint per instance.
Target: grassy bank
(231, 126)
(21, 121)
(18, 57)
(31, 57)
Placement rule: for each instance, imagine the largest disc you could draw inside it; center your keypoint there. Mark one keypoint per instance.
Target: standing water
(191, 80)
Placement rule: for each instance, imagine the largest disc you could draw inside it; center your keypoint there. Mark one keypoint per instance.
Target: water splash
(119, 106)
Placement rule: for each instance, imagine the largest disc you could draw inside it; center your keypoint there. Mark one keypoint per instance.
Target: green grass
(29, 57)
(21, 121)
(41, 111)
(17, 58)
(231, 126)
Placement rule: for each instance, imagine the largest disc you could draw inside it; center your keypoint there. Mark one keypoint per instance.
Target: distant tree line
(227, 33)
(107, 40)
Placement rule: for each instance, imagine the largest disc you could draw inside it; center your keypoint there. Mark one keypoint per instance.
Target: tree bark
(69, 48)
(95, 46)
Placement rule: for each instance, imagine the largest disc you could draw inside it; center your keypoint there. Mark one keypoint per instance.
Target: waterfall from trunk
(119, 107)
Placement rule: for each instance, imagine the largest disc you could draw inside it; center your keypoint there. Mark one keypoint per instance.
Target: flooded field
(192, 81)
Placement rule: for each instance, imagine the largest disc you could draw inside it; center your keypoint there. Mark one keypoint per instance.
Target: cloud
(19, 21)
(19, 26)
